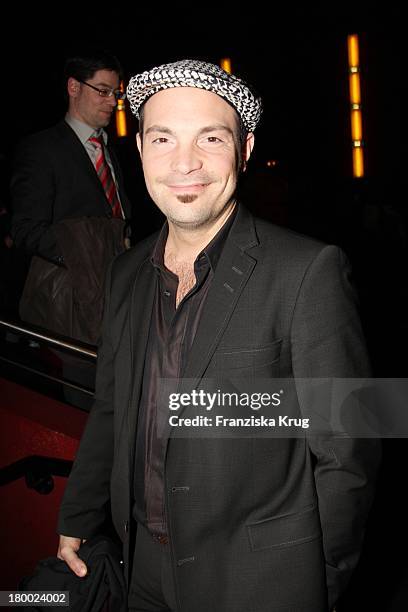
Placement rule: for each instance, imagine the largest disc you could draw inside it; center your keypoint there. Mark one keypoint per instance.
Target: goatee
(187, 198)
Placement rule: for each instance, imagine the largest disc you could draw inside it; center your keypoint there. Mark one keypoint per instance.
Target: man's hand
(67, 550)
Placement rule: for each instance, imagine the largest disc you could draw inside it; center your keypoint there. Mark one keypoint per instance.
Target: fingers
(67, 550)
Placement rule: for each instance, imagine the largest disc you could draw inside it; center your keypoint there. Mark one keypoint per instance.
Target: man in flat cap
(230, 524)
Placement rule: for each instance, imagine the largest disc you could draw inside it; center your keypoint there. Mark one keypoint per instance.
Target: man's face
(189, 155)
(86, 105)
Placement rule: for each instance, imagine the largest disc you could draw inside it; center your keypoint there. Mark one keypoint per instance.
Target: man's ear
(247, 150)
(73, 87)
(139, 144)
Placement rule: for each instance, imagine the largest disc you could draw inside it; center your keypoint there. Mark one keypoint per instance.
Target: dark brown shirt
(171, 335)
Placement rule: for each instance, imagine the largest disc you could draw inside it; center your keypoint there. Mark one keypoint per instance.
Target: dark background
(297, 60)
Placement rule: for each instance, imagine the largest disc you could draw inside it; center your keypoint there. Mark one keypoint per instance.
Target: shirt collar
(85, 131)
(211, 252)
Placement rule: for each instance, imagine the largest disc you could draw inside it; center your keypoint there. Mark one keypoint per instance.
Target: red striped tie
(105, 175)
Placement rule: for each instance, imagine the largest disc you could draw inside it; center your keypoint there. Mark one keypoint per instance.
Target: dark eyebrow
(204, 130)
(216, 127)
(106, 86)
(158, 128)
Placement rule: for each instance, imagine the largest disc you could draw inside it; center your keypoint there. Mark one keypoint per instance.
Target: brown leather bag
(69, 299)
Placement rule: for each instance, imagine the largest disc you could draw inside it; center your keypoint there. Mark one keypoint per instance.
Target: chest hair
(185, 272)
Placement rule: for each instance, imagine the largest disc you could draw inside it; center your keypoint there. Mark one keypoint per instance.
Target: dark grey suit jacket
(255, 525)
(53, 180)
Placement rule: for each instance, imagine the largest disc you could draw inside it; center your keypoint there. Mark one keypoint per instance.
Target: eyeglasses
(106, 92)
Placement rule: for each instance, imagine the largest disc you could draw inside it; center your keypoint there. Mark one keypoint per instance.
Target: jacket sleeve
(33, 186)
(327, 342)
(85, 504)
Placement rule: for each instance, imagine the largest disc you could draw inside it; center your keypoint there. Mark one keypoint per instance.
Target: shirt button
(167, 293)
(126, 526)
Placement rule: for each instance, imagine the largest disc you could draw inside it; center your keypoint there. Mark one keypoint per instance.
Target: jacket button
(126, 526)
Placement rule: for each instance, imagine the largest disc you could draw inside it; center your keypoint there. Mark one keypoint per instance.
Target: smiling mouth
(188, 188)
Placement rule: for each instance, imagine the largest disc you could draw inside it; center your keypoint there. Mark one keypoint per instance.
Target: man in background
(69, 203)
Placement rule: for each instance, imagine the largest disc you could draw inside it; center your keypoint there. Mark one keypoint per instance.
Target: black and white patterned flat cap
(194, 73)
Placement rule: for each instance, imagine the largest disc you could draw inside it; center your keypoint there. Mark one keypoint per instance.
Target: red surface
(31, 424)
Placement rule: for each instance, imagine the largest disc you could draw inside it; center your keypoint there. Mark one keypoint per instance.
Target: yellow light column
(355, 105)
(121, 125)
(226, 65)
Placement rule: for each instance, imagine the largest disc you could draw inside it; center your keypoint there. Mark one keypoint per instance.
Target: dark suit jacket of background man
(246, 516)
(54, 180)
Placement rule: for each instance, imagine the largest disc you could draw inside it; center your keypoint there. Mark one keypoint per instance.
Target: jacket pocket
(285, 530)
(248, 358)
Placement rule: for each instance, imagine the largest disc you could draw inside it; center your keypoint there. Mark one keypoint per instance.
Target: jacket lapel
(77, 153)
(232, 273)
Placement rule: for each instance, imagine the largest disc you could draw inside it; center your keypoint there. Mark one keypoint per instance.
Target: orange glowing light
(226, 64)
(355, 90)
(353, 50)
(356, 125)
(358, 162)
(121, 124)
(355, 105)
